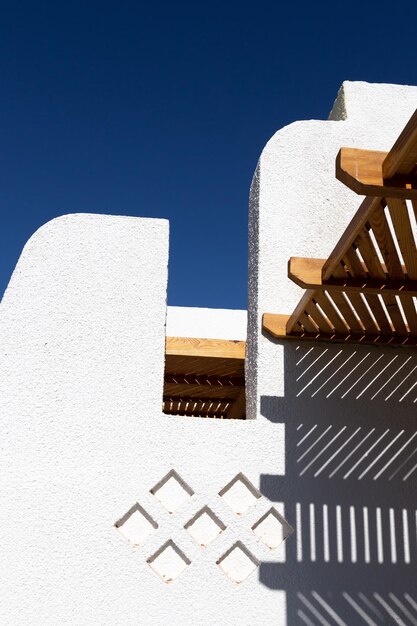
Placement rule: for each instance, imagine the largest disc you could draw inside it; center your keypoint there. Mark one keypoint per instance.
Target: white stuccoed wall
(83, 440)
(207, 323)
(298, 208)
(82, 328)
(317, 392)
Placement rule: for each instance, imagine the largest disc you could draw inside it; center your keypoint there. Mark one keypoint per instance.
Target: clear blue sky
(161, 109)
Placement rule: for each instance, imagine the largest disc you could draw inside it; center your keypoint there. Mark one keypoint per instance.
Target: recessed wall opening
(204, 378)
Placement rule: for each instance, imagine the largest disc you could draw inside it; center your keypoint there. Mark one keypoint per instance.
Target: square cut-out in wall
(240, 494)
(136, 525)
(238, 563)
(172, 491)
(168, 562)
(272, 529)
(204, 527)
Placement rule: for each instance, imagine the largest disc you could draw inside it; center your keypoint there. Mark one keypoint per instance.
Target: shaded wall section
(350, 484)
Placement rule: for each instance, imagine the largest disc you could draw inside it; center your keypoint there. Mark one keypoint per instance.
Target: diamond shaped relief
(240, 494)
(168, 562)
(172, 491)
(272, 529)
(136, 525)
(205, 527)
(238, 563)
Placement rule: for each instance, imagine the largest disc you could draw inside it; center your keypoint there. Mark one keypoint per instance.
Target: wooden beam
(275, 325)
(361, 171)
(307, 273)
(219, 348)
(364, 271)
(402, 158)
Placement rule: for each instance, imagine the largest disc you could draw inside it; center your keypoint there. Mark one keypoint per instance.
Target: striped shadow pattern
(355, 609)
(356, 452)
(356, 373)
(355, 534)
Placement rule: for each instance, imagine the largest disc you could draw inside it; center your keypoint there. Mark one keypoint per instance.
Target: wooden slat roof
(204, 378)
(366, 290)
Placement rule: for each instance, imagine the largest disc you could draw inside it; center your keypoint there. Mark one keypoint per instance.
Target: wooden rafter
(365, 291)
(204, 378)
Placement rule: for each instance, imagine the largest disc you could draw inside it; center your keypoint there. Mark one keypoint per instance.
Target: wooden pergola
(204, 378)
(365, 291)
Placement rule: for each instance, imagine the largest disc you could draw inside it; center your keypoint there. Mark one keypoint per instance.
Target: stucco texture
(337, 404)
(82, 331)
(83, 440)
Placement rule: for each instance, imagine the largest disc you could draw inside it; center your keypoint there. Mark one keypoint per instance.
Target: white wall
(82, 330)
(298, 208)
(83, 440)
(206, 323)
(331, 399)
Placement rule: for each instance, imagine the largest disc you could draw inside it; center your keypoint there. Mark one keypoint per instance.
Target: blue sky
(162, 109)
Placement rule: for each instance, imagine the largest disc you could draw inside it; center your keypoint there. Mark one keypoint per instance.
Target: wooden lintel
(362, 171)
(219, 348)
(275, 325)
(307, 273)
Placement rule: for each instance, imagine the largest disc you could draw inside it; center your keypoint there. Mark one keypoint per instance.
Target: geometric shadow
(350, 485)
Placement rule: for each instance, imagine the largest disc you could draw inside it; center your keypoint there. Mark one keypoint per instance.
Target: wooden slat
(331, 313)
(379, 314)
(410, 313)
(348, 238)
(340, 301)
(362, 312)
(382, 234)
(401, 222)
(195, 408)
(395, 314)
(361, 171)
(323, 323)
(414, 205)
(199, 391)
(292, 322)
(402, 157)
(354, 264)
(369, 254)
(307, 323)
(219, 348)
(204, 381)
(340, 272)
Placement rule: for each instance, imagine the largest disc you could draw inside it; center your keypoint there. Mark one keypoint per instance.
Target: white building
(113, 512)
